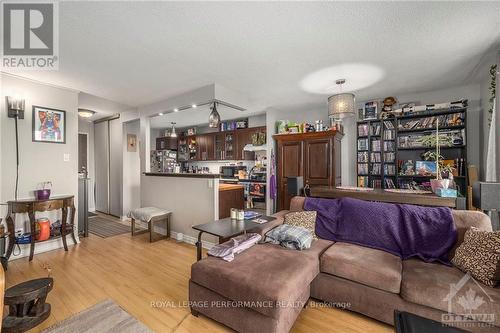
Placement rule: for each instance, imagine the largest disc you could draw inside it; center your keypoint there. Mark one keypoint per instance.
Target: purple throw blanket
(403, 230)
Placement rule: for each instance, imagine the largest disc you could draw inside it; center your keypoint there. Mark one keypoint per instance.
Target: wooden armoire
(314, 156)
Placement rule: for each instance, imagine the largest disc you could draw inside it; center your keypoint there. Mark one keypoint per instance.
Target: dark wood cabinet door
(289, 165)
(318, 155)
(219, 146)
(210, 146)
(244, 137)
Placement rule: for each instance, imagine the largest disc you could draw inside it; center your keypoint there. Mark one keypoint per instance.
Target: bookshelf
(388, 150)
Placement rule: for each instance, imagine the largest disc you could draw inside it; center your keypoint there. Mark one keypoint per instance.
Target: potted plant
(437, 140)
(44, 192)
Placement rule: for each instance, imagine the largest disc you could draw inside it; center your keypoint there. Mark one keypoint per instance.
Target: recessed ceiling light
(176, 110)
(160, 114)
(194, 106)
(357, 76)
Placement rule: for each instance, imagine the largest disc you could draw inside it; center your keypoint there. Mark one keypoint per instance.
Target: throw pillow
(479, 255)
(305, 219)
(289, 236)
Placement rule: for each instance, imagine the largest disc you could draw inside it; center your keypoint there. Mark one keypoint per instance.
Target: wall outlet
(66, 157)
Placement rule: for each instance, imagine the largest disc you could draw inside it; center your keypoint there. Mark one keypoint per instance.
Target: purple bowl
(42, 194)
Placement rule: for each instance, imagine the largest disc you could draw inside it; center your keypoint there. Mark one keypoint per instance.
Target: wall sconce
(15, 107)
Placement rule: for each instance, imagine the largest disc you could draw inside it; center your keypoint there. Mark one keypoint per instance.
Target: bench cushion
(374, 268)
(146, 214)
(265, 276)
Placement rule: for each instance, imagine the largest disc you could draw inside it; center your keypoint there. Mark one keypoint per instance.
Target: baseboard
(173, 234)
(192, 240)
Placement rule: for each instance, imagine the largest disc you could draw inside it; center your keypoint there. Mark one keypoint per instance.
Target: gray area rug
(103, 317)
(106, 227)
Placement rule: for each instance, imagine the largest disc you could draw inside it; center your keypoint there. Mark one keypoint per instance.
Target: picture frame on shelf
(48, 125)
(370, 110)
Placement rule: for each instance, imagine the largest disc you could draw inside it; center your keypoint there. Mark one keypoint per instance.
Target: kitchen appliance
(230, 173)
(163, 161)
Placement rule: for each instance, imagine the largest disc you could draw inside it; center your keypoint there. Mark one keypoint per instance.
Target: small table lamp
(485, 197)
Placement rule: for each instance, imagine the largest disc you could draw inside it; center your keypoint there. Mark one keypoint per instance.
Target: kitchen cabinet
(244, 137)
(166, 143)
(314, 156)
(206, 147)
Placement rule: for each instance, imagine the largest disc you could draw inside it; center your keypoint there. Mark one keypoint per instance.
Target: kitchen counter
(186, 175)
(229, 187)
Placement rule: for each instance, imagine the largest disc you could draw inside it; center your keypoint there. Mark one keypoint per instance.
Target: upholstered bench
(151, 216)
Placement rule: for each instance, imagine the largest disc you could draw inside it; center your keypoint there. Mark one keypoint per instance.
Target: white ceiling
(136, 53)
(195, 117)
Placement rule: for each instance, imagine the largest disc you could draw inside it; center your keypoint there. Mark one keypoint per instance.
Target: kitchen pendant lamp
(214, 117)
(173, 134)
(342, 105)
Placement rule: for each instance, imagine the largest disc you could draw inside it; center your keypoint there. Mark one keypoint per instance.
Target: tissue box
(447, 192)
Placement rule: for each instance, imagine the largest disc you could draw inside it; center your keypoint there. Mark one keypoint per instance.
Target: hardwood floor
(136, 273)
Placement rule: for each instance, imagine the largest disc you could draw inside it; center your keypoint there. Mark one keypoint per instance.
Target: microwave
(231, 171)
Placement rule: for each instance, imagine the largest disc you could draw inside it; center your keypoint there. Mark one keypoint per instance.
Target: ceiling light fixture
(84, 113)
(172, 133)
(194, 106)
(176, 110)
(160, 114)
(214, 117)
(341, 105)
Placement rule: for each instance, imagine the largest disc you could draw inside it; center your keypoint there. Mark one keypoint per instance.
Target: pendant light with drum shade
(214, 117)
(341, 105)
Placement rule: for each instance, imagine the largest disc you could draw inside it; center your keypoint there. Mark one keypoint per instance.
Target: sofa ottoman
(262, 290)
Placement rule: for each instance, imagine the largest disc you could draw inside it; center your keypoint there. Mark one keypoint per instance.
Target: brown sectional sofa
(265, 287)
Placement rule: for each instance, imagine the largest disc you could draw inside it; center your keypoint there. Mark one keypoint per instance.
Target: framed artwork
(370, 111)
(131, 142)
(48, 125)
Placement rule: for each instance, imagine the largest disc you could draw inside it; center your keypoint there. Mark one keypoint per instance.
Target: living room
(250, 166)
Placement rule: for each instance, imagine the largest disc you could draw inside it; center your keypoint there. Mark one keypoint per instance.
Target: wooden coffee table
(227, 228)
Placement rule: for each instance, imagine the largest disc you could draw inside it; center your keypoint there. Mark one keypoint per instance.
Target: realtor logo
(30, 35)
(469, 305)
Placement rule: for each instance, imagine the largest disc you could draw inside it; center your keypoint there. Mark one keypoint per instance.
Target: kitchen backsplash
(214, 166)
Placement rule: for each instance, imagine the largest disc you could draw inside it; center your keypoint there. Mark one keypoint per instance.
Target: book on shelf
(375, 129)
(362, 144)
(363, 156)
(389, 169)
(389, 146)
(375, 145)
(363, 168)
(388, 124)
(376, 169)
(375, 157)
(406, 167)
(389, 157)
(363, 129)
(429, 122)
(363, 181)
(389, 135)
(389, 183)
(376, 183)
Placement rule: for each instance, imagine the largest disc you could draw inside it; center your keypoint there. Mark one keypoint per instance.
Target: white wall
(39, 162)
(131, 170)
(192, 201)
